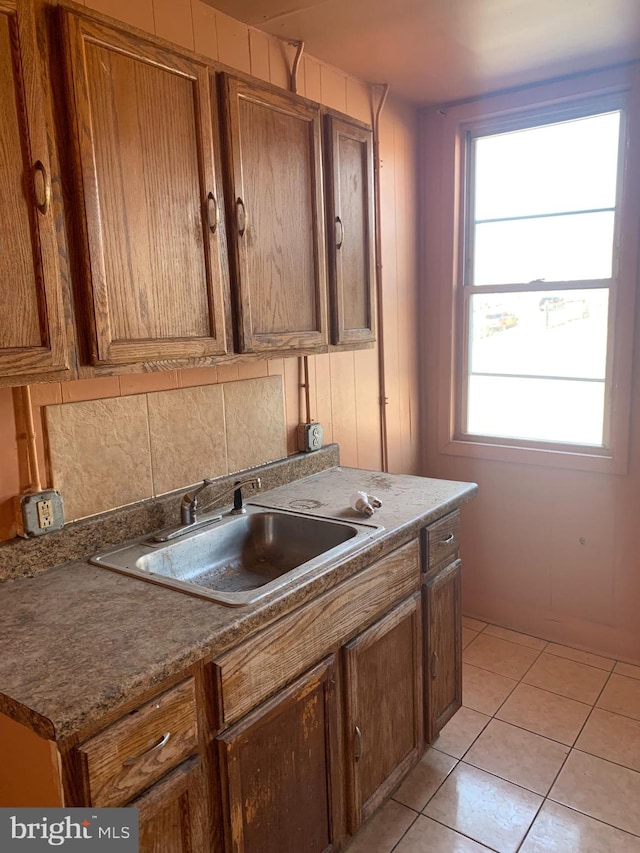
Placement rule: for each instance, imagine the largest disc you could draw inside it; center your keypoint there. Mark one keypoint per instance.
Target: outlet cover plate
(37, 509)
(309, 437)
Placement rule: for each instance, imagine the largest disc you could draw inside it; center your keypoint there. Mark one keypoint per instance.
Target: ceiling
(435, 51)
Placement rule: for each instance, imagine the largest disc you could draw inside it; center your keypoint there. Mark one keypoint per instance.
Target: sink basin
(240, 558)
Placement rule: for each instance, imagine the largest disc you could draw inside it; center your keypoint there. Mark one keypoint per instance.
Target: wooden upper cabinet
(383, 691)
(442, 608)
(32, 322)
(350, 225)
(146, 182)
(276, 217)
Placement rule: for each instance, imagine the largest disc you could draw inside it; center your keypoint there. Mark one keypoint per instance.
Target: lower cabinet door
(173, 816)
(278, 766)
(442, 607)
(383, 692)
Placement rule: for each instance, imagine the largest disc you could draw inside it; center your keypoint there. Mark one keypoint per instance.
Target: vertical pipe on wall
(303, 362)
(384, 447)
(35, 484)
(293, 82)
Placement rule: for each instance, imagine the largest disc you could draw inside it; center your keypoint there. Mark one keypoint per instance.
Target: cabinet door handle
(242, 217)
(339, 231)
(448, 539)
(213, 213)
(435, 665)
(43, 203)
(128, 762)
(357, 744)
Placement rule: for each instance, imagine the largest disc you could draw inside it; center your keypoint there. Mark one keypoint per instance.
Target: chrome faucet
(190, 509)
(189, 506)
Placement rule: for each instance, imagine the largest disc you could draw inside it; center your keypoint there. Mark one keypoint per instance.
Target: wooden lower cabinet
(279, 770)
(442, 608)
(383, 695)
(172, 813)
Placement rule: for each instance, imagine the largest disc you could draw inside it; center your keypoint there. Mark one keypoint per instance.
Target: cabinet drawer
(257, 668)
(443, 540)
(130, 755)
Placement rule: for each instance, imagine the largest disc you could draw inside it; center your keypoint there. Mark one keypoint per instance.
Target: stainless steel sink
(241, 558)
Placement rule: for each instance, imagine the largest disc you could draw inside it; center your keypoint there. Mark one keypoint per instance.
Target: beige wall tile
(186, 429)
(254, 418)
(100, 454)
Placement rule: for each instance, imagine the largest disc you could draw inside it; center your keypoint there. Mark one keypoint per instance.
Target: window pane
(536, 409)
(554, 168)
(560, 333)
(558, 248)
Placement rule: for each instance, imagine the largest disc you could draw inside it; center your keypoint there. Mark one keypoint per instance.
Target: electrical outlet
(45, 514)
(39, 513)
(309, 437)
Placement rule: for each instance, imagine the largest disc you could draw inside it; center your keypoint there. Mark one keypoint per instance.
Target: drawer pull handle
(128, 762)
(435, 665)
(339, 230)
(213, 213)
(357, 744)
(448, 539)
(45, 196)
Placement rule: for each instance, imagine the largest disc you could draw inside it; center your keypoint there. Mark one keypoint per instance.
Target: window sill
(578, 459)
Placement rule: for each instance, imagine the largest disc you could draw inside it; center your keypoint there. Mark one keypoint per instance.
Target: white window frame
(587, 94)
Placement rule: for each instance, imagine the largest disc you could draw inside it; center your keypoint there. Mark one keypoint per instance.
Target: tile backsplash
(113, 452)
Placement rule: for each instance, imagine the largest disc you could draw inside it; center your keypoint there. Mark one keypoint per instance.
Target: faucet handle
(238, 506)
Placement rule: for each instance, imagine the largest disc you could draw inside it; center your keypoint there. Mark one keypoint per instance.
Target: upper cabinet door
(143, 132)
(32, 323)
(350, 211)
(276, 228)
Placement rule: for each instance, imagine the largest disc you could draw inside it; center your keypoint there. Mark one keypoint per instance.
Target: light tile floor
(543, 757)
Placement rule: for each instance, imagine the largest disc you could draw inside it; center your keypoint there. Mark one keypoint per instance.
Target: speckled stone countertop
(77, 641)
